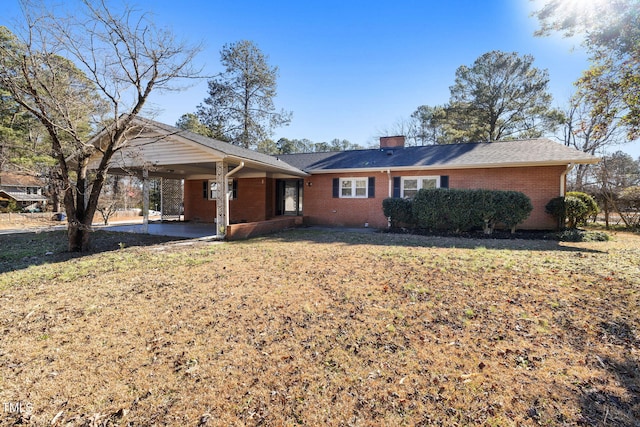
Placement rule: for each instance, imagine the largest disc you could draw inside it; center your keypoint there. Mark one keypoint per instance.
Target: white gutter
(451, 167)
(226, 191)
(563, 179)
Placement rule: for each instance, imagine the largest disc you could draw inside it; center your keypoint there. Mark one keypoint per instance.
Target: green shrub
(486, 205)
(575, 209)
(513, 207)
(575, 235)
(444, 209)
(590, 203)
(11, 207)
(463, 210)
(399, 212)
(556, 208)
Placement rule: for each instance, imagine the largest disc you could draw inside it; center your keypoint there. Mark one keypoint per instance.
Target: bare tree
(591, 130)
(80, 71)
(615, 177)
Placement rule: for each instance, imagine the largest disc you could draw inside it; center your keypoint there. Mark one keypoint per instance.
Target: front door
(289, 196)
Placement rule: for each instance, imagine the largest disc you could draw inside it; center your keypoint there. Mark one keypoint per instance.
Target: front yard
(322, 328)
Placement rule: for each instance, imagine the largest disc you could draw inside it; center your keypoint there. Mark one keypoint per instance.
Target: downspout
(390, 194)
(563, 179)
(226, 191)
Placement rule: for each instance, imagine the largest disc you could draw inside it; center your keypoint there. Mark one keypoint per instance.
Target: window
(210, 189)
(213, 189)
(411, 184)
(353, 187)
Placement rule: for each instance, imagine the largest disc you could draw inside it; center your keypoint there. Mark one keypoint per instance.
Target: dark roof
(14, 179)
(477, 155)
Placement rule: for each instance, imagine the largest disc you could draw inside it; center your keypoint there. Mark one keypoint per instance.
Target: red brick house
(238, 189)
(347, 188)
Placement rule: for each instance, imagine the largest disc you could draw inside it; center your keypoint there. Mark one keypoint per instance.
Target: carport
(219, 183)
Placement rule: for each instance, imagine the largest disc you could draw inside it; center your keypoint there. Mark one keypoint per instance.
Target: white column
(145, 200)
(162, 200)
(221, 214)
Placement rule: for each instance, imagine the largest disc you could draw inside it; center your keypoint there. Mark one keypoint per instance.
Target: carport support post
(221, 214)
(145, 200)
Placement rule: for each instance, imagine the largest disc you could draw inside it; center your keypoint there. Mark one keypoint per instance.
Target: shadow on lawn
(23, 250)
(602, 408)
(371, 237)
(600, 404)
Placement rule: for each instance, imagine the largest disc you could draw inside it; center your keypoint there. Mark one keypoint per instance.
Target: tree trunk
(79, 236)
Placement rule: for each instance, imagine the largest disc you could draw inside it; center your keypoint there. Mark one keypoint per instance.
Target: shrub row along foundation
(459, 210)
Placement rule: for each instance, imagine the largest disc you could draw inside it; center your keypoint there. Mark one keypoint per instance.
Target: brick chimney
(392, 141)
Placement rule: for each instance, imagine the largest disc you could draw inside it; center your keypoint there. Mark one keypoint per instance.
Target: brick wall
(254, 201)
(320, 208)
(251, 202)
(196, 207)
(539, 183)
(256, 196)
(252, 229)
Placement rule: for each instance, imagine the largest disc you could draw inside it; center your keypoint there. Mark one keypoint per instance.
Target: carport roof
(158, 144)
(229, 150)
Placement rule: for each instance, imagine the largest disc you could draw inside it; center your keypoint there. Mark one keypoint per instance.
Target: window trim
(232, 189)
(353, 187)
(419, 180)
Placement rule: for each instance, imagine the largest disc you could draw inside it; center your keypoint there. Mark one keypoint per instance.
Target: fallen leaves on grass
(328, 329)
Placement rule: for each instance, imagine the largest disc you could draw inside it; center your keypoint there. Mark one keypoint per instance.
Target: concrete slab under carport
(187, 230)
(195, 230)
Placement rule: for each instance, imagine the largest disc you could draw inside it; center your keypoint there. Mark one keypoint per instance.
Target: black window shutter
(234, 189)
(372, 187)
(396, 186)
(336, 187)
(205, 189)
(444, 181)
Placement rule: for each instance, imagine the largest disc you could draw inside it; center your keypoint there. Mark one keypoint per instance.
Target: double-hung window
(411, 184)
(353, 187)
(210, 189)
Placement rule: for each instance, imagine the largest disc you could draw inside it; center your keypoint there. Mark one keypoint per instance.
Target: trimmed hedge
(556, 209)
(459, 210)
(398, 211)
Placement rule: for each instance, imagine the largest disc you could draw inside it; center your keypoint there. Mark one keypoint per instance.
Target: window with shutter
(409, 185)
(353, 188)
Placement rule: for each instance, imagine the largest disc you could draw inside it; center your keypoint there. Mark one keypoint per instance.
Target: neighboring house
(25, 190)
(226, 184)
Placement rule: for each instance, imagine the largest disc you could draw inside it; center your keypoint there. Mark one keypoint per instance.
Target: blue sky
(353, 69)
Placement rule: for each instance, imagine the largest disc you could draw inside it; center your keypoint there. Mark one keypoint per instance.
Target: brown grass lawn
(325, 328)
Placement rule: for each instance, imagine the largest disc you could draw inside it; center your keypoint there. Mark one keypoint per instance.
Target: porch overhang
(156, 150)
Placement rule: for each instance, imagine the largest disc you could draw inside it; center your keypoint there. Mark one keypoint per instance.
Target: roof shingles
(13, 179)
(477, 155)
